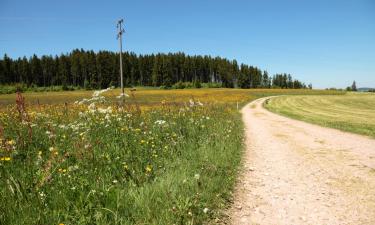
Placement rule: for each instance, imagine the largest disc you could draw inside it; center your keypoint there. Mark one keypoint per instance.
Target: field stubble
(354, 112)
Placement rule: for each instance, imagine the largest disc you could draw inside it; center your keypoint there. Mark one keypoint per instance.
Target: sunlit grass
(353, 112)
(165, 157)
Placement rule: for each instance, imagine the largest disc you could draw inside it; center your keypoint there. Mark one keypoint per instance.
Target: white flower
(92, 106)
(197, 176)
(122, 95)
(205, 210)
(98, 93)
(191, 103)
(160, 122)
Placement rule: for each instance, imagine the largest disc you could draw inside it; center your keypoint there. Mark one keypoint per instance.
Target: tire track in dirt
(299, 173)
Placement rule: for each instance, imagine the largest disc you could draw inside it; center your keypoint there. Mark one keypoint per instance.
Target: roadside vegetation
(353, 112)
(166, 157)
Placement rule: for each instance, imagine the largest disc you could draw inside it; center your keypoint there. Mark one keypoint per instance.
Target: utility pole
(119, 37)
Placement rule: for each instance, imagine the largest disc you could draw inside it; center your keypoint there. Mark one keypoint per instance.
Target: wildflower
(92, 107)
(160, 122)
(197, 176)
(191, 103)
(5, 159)
(122, 95)
(148, 169)
(114, 181)
(143, 141)
(205, 210)
(98, 93)
(11, 142)
(62, 170)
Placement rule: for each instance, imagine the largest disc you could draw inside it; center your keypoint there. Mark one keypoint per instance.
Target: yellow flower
(148, 168)
(61, 224)
(40, 153)
(143, 141)
(11, 142)
(62, 170)
(5, 159)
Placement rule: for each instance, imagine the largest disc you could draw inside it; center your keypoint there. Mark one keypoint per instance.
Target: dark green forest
(94, 70)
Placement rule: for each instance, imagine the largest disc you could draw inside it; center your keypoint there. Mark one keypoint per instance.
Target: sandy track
(299, 173)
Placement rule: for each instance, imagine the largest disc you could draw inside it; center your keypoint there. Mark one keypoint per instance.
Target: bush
(212, 85)
(179, 85)
(197, 84)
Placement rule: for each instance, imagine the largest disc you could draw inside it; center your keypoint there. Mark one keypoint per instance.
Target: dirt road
(299, 173)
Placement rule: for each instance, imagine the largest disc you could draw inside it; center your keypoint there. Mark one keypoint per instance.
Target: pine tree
(156, 71)
(354, 86)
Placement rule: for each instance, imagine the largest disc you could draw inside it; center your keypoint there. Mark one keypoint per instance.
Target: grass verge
(107, 165)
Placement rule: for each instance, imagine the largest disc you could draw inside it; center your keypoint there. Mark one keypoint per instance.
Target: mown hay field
(353, 112)
(165, 157)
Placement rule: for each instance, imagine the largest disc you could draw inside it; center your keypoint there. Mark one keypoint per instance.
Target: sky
(328, 43)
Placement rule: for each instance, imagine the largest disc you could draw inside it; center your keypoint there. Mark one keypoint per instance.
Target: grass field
(167, 157)
(353, 112)
(153, 97)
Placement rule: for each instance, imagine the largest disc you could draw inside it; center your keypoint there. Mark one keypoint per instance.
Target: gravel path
(299, 173)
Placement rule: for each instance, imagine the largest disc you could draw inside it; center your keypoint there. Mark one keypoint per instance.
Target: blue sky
(328, 43)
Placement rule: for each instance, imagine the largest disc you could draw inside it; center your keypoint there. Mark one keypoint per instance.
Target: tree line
(93, 70)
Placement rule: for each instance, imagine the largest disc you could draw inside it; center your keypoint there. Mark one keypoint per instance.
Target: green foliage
(212, 85)
(90, 70)
(197, 84)
(354, 86)
(9, 89)
(105, 165)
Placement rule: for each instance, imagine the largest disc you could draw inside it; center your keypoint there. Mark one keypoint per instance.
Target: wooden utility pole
(119, 37)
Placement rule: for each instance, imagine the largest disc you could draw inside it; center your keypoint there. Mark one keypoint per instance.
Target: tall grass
(104, 164)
